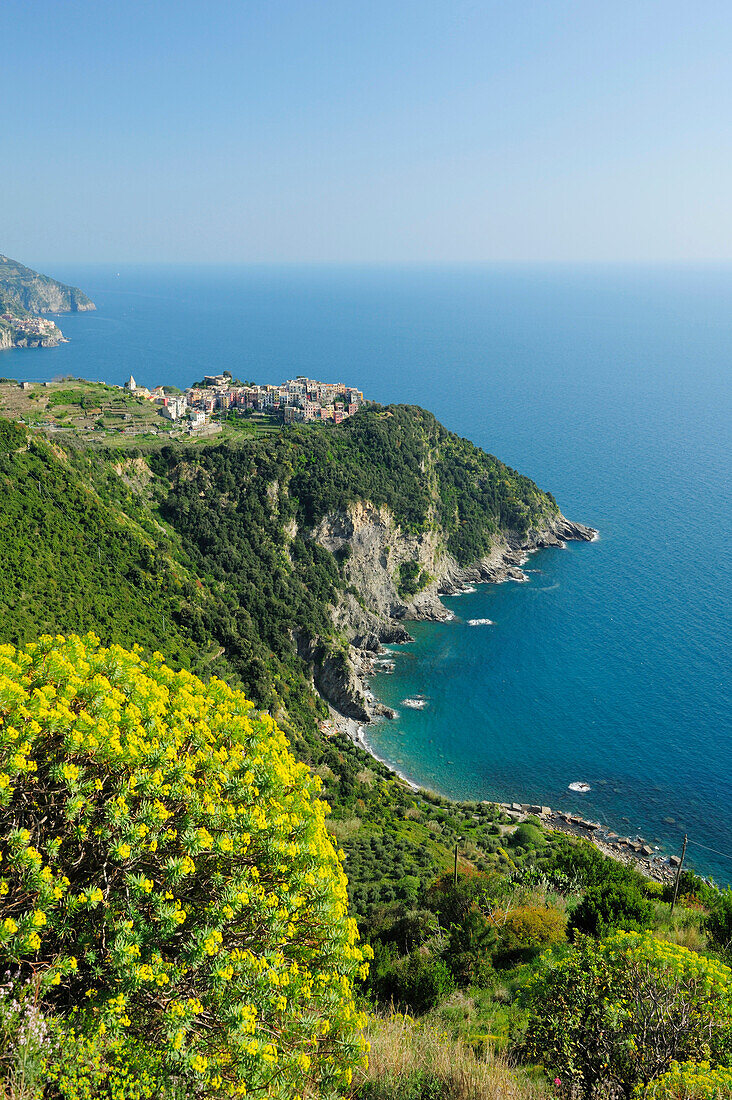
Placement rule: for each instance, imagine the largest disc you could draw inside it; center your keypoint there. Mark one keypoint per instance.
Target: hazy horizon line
(625, 262)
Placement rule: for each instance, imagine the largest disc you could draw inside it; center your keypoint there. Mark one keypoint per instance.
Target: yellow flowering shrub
(690, 1081)
(610, 1017)
(528, 927)
(165, 865)
(85, 1063)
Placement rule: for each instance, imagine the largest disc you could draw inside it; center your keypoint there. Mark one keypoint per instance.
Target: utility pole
(678, 873)
(456, 857)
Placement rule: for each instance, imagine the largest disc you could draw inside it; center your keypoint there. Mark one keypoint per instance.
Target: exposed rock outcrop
(27, 289)
(24, 294)
(373, 548)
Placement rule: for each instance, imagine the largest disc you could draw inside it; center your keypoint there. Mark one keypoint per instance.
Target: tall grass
(415, 1060)
(685, 927)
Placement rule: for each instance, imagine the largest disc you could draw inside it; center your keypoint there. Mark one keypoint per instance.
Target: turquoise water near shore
(609, 386)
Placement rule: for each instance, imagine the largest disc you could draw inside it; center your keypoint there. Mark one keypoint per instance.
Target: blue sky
(334, 130)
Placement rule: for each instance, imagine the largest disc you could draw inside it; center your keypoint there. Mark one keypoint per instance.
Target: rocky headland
(633, 851)
(28, 332)
(24, 295)
(26, 289)
(376, 547)
(376, 608)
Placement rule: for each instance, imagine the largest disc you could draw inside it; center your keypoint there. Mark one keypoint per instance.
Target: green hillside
(186, 550)
(205, 554)
(73, 561)
(21, 288)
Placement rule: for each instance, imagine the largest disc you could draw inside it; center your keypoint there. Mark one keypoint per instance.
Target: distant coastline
(24, 296)
(559, 394)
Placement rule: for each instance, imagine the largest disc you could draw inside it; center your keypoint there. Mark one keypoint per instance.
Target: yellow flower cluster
(85, 1065)
(672, 963)
(163, 825)
(690, 1081)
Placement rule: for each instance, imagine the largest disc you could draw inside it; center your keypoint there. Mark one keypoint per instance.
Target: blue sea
(607, 385)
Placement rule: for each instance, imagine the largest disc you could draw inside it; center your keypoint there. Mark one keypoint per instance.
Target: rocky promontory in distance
(24, 295)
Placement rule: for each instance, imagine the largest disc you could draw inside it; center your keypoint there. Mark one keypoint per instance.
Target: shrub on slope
(610, 1017)
(165, 864)
(689, 1081)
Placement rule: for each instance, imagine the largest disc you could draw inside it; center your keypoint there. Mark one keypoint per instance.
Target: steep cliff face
(23, 288)
(375, 552)
(329, 542)
(376, 549)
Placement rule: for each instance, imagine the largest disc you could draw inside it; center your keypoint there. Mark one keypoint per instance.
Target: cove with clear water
(609, 386)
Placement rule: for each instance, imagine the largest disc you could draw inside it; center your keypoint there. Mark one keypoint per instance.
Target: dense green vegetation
(229, 507)
(74, 562)
(497, 961)
(490, 921)
(203, 554)
(402, 457)
(412, 578)
(25, 289)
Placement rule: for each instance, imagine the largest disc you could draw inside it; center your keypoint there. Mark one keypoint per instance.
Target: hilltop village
(217, 405)
(36, 326)
(24, 330)
(298, 399)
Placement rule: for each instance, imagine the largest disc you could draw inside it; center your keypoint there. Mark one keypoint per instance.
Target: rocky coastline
(24, 296)
(633, 851)
(375, 545)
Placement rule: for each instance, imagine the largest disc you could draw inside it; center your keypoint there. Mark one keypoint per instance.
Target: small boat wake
(481, 622)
